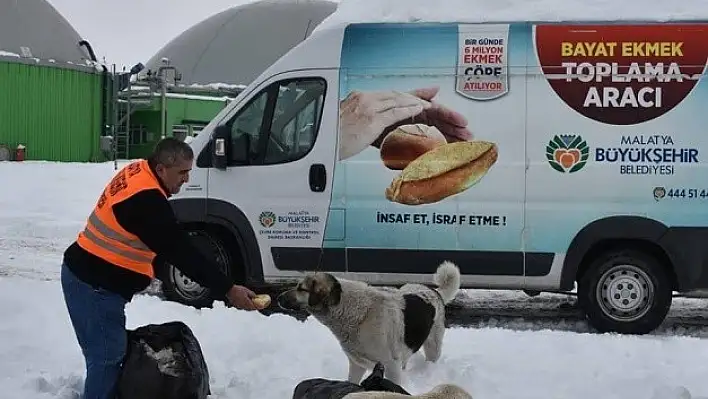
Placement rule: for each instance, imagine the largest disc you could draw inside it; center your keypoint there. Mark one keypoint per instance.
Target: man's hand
(241, 297)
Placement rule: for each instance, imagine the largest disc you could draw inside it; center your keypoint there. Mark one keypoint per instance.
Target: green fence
(54, 112)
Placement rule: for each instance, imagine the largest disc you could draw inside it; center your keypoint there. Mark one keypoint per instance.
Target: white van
(533, 155)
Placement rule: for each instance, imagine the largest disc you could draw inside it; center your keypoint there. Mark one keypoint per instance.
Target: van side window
(279, 124)
(295, 122)
(248, 122)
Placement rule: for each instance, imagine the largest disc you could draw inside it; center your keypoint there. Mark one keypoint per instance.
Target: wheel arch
(616, 232)
(230, 225)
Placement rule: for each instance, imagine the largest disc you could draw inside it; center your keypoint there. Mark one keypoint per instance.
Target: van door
(279, 174)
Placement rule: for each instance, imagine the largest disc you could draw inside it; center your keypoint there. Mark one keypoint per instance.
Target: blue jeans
(98, 317)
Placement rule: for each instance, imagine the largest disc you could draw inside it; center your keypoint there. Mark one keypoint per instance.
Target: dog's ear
(379, 369)
(376, 382)
(318, 291)
(335, 291)
(314, 299)
(372, 382)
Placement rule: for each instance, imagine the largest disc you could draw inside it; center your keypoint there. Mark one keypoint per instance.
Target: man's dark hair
(169, 151)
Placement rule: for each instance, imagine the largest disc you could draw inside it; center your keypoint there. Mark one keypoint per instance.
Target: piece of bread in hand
(443, 171)
(261, 301)
(408, 142)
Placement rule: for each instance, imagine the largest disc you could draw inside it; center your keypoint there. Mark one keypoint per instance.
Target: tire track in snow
(475, 308)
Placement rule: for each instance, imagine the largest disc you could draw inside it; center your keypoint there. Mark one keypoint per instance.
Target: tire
(625, 291)
(179, 288)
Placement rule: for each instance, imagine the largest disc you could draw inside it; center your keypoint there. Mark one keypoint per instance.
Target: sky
(130, 31)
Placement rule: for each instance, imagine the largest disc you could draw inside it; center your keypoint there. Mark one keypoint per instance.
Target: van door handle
(318, 177)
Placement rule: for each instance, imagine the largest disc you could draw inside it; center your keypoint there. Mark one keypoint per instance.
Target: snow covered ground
(43, 205)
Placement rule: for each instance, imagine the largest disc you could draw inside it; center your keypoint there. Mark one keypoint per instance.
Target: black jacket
(149, 216)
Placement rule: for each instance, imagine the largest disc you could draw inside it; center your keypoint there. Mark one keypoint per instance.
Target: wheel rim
(187, 287)
(625, 293)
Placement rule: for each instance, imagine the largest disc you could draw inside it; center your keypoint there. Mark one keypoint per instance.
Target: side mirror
(242, 149)
(220, 142)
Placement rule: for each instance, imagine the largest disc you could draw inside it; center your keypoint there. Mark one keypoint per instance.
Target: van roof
(509, 11)
(322, 48)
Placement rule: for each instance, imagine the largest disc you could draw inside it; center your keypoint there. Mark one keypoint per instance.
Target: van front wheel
(177, 287)
(625, 291)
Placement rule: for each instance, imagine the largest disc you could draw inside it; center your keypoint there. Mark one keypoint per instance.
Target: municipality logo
(267, 219)
(567, 153)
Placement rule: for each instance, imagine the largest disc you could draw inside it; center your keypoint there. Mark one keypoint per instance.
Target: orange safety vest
(104, 237)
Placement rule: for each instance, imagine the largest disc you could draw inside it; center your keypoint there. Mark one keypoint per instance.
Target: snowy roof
(34, 30)
(236, 45)
(350, 11)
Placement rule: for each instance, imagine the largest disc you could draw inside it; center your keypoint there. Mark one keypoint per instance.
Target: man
(113, 256)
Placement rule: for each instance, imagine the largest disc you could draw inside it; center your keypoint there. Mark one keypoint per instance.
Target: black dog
(320, 388)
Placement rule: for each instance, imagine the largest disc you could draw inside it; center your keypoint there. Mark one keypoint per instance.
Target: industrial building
(51, 94)
(61, 105)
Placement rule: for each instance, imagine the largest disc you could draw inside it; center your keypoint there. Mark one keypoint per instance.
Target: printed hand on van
(451, 123)
(366, 117)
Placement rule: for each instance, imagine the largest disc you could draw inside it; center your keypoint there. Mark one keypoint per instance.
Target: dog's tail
(447, 278)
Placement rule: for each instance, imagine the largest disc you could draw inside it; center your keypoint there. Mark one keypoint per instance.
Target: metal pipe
(163, 110)
(114, 96)
(89, 48)
(127, 122)
(163, 94)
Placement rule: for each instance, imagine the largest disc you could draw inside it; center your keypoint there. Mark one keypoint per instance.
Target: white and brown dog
(378, 324)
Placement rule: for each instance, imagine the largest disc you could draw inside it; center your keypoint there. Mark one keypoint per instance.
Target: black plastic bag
(163, 361)
(320, 388)
(376, 382)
